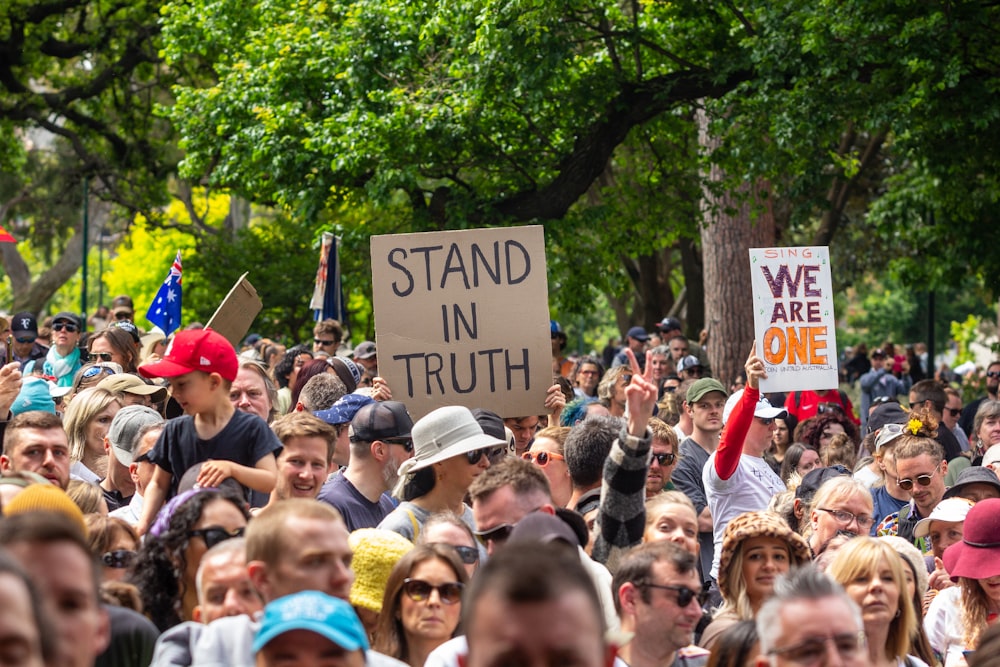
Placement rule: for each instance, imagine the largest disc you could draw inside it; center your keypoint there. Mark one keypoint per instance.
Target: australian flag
(165, 311)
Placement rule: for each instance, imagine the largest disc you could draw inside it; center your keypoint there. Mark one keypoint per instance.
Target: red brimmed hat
(977, 556)
(195, 350)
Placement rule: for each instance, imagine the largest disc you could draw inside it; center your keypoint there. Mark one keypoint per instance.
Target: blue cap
(638, 333)
(34, 395)
(317, 612)
(344, 409)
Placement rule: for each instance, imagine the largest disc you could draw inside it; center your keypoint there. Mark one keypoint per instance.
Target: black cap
(381, 420)
(66, 316)
(490, 422)
(669, 324)
(815, 479)
(24, 323)
(128, 327)
(886, 413)
(543, 527)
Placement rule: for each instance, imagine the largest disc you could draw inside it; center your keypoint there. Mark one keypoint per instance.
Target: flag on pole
(165, 311)
(328, 293)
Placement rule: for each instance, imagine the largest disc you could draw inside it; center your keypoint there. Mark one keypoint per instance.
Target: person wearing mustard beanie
(45, 498)
(376, 552)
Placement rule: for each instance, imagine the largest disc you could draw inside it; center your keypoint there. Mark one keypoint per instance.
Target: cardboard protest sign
(237, 312)
(794, 323)
(462, 318)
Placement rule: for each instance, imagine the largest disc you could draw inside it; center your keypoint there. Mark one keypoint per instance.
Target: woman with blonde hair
(842, 505)
(87, 420)
(757, 548)
(671, 516)
(546, 452)
(611, 389)
(872, 574)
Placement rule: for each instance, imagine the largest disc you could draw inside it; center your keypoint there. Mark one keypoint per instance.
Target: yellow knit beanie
(376, 552)
(45, 498)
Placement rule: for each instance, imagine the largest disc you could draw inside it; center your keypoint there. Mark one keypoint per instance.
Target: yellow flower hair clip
(914, 425)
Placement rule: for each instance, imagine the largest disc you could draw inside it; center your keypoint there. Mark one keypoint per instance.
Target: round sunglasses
(542, 458)
(419, 590)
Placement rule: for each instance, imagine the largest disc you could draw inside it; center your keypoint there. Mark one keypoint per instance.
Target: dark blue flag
(165, 311)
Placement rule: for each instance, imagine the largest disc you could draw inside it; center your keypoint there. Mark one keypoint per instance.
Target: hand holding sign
(754, 368)
(640, 395)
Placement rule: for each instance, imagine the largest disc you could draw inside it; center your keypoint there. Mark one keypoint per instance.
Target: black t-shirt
(245, 440)
(357, 510)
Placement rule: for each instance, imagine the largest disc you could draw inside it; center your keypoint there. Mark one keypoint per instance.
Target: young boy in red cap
(200, 366)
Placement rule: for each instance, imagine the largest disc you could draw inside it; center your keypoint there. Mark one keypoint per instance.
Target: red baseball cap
(195, 350)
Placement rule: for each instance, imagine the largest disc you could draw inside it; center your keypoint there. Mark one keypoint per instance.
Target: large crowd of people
(175, 501)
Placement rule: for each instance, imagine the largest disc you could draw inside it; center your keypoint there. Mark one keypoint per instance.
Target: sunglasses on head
(477, 454)
(65, 326)
(468, 555)
(684, 594)
(664, 458)
(94, 371)
(118, 559)
(541, 459)
(213, 536)
(94, 357)
(419, 590)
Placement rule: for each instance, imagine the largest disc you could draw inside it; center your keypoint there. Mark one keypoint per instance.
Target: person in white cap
(450, 450)
(737, 478)
(943, 528)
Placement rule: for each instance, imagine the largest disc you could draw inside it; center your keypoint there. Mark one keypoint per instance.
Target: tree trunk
(733, 223)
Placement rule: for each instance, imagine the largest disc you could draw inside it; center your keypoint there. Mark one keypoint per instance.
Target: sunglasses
(498, 534)
(25, 339)
(476, 455)
(829, 407)
(766, 421)
(323, 342)
(123, 316)
(684, 594)
(65, 326)
(94, 357)
(419, 590)
(664, 459)
(993, 374)
(626, 379)
(541, 459)
(118, 559)
(884, 399)
(213, 536)
(468, 555)
(405, 443)
(923, 480)
(94, 371)
(954, 412)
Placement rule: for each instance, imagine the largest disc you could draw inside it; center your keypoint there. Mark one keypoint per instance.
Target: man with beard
(306, 457)
(380, 442)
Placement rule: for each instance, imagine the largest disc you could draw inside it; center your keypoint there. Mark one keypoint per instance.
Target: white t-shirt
(867, 477)
(749, 490)
(943, 625)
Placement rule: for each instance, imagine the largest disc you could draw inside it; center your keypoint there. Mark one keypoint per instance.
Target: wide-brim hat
(447, 432)
(972, 475)
(977, 556)
(758, 524)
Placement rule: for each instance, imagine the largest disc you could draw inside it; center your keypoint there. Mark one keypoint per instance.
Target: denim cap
(317, 612)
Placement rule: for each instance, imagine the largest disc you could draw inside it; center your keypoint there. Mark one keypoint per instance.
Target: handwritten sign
(794, 321)
(461, 318)
(236, 313)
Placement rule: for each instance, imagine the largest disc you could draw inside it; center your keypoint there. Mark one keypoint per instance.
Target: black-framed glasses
(213, 536)
(812, 650)
(541, 459)
(664, 458)
(405, 443)
(94, 357)
(684, 594)
(324, 343)
(419, 590)
(906, 483)
(844, 518)
(476, 455)
(118, 559)
(65, 326)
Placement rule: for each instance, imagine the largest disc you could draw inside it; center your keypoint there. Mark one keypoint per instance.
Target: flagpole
(86, 227)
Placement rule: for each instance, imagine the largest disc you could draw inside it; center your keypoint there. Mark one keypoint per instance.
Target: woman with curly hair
(757, 548)
(165, 568)
(87, 420)
(817, 431)
(422, 604)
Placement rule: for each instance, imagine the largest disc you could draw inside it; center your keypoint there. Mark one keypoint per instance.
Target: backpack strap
(414, 523)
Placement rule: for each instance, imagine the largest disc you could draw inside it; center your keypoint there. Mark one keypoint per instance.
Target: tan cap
(126, 383)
